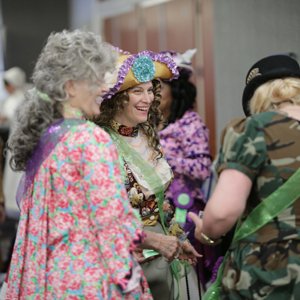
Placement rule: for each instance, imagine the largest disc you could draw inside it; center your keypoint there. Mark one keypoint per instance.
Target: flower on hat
(143, 69)
(182, 60)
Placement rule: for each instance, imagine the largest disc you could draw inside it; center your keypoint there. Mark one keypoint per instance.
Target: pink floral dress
(77, 229)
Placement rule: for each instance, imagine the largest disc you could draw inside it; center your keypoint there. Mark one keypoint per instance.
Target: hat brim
(261, 79)
(161, 71)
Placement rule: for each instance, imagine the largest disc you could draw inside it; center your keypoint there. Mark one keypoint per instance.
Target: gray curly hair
(67, 55)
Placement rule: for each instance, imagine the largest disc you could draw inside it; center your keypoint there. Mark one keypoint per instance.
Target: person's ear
(70, 88)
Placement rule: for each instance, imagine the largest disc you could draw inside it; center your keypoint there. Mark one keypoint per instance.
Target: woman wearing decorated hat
(258, 189)
(130, 113)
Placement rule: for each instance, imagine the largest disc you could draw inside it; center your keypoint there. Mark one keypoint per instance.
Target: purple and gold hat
(134, 69)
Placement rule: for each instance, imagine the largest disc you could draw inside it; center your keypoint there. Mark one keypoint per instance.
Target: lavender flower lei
(52, 136)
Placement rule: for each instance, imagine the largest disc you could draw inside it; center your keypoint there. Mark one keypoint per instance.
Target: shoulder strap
(48, 141)
(263, 213)
(270, 207)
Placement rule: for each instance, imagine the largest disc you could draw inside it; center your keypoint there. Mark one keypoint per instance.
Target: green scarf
(131, 156)
(263, 213)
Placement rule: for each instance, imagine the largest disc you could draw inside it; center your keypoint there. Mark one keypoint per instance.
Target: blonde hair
(273, 93)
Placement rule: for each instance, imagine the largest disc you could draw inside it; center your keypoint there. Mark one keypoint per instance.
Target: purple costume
(185, 145)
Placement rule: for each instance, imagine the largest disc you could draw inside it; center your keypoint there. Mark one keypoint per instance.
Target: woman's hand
(188, 252)
(138, 255)
(198, 223)
(168, 246)
(199, 235)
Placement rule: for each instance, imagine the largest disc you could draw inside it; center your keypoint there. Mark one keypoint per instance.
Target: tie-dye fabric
(77, 229)
(185, 145)
(266, 264)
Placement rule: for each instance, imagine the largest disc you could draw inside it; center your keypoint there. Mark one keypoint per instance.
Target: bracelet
(208, 240)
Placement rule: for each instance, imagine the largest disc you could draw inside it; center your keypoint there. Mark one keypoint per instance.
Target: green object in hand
(180, 215)
(149, 252)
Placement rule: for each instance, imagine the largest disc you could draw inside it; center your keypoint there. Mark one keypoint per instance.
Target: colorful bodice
(140, 194)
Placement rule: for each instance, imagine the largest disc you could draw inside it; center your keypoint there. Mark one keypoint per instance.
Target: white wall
(85, 14)
(244, 32)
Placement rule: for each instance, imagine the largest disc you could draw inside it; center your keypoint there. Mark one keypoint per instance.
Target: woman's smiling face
(136, 110)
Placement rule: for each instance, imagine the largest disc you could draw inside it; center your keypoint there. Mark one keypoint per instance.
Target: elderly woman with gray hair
(77, 229)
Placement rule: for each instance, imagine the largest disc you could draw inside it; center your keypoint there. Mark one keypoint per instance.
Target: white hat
(184, 60)
(15, 76)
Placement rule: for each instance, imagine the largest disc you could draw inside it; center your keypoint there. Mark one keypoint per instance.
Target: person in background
(2, 206)
(14, 80)
(14, 83)
(185, 142)
(129, 113)
(258, 187)
(77, 229)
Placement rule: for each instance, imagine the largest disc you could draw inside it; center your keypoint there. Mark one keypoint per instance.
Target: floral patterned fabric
(266, 264)
(77, 229)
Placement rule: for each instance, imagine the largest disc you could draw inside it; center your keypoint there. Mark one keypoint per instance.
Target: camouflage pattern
(265, 265)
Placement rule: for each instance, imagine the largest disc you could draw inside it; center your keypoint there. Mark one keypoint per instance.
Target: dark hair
(184, 94)
(109, 108)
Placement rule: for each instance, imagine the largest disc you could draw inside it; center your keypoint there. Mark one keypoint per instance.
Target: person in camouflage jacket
(258, 155)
